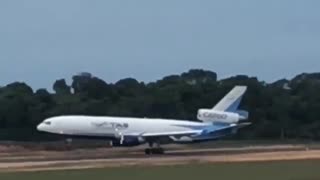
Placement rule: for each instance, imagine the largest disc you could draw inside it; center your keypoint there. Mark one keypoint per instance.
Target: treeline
(286, 109)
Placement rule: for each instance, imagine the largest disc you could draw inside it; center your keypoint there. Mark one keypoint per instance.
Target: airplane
(222, 120)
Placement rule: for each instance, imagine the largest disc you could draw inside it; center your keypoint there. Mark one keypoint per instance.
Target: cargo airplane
(222, 120)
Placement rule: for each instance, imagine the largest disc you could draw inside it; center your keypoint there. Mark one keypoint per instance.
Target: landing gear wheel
(154, 151)
(158, 151)
(162, 151)
(148, 151)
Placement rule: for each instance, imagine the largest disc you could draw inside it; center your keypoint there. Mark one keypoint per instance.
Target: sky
(42, 40)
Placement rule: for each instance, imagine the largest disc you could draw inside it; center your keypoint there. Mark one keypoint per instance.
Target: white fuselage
(108, 126)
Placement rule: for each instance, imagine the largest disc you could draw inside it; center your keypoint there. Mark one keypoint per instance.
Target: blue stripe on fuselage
(210, 132)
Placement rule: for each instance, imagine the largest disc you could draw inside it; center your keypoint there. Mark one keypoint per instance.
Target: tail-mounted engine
(209, 115)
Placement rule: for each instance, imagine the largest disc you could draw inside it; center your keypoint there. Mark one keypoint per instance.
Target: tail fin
(231, 101)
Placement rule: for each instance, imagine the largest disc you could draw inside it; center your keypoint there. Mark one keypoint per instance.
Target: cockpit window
(47, 122)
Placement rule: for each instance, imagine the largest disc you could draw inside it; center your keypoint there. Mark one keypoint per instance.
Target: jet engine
(127, 141)
(209, 115)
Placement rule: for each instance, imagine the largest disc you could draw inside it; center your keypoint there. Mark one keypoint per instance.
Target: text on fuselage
(213, 115)
(110, 125)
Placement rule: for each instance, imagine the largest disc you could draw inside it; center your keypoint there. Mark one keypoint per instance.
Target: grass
(285, 170)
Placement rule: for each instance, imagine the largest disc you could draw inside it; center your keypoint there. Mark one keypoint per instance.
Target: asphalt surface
(80, 159)
(137, 153)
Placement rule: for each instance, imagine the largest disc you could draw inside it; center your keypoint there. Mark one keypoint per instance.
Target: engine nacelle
(128, 141)
(209, 115)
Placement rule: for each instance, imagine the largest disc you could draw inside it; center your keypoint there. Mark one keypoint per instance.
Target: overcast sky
(42, 40)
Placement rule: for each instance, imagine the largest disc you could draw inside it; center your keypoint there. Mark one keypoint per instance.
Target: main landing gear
(156, 150)
(150, 151)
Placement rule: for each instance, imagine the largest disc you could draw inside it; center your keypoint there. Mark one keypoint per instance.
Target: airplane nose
(40, 127)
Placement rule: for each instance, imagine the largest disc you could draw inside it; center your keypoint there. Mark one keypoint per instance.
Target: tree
(61, 87)
(284, 109)
(90, 86)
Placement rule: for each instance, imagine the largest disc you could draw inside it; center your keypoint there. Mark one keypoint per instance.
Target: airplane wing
(179, 133)
(183, 133)
(189, 135)
(172, 133)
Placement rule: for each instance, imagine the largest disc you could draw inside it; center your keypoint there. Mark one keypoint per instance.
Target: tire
(161, 151)
(158, 151)
(147, 151)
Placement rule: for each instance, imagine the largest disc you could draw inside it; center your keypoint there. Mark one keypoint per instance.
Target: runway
(100, 158)
(117, 153)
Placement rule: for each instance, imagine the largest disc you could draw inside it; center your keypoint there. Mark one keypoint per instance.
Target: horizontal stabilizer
(242, 114)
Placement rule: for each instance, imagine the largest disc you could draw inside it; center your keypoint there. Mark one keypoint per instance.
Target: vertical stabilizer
(231, 101)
